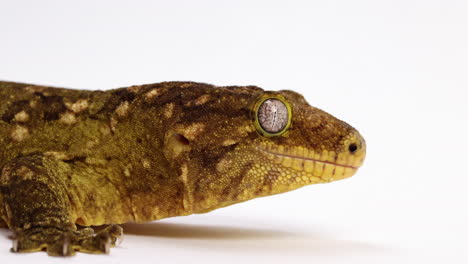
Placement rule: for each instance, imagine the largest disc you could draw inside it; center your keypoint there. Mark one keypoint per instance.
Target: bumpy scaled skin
(136, 154)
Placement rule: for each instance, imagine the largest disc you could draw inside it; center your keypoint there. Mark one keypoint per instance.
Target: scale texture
(71, 159)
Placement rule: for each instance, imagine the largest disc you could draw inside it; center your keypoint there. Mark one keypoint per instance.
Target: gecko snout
(356, 148)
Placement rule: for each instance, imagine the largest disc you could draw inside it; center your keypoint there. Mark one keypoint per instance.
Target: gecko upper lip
(310, 159)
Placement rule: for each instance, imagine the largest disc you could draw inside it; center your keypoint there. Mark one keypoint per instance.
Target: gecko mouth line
(308, 159)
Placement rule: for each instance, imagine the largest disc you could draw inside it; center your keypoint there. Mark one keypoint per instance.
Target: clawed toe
(67, 243)
(14, 247)
(115, 233)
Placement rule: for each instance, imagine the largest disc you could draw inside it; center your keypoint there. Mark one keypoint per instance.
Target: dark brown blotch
(271, 177)
(115, 99)
(15, 108)
(209, 158)
(75, 159)
(52, 106)
(234, 187)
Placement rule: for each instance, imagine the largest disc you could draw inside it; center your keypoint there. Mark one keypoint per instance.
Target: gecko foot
(66, 243)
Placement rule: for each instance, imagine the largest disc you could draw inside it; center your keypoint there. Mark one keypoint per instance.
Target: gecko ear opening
(175, 145)
(182, 140)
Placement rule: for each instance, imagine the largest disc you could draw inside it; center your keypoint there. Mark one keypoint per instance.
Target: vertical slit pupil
(273, 115)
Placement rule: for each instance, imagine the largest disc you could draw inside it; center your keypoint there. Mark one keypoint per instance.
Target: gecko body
(73, 158)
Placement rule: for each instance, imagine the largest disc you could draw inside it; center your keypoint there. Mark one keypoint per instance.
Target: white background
(396, 70)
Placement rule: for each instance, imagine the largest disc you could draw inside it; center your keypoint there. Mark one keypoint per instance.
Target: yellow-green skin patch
(153, 151)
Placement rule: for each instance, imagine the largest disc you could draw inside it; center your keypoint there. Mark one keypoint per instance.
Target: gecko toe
(57, 242)
(14, 247)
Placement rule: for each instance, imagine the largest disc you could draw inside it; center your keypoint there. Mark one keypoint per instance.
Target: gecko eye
(273, 116)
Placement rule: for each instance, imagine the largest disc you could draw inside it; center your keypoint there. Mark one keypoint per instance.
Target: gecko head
(250, 143)
(304, 144)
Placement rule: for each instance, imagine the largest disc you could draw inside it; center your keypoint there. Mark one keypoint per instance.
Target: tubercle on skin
(160, 150)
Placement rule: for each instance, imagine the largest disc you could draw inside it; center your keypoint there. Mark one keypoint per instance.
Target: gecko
(73, 159)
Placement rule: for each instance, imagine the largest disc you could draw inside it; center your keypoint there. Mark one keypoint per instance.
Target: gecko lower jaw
(306, 162)
(310, 159)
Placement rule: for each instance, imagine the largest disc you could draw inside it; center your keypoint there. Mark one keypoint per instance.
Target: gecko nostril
(352, 147)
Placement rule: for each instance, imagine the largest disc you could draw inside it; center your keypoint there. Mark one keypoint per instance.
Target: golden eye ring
(273, 115)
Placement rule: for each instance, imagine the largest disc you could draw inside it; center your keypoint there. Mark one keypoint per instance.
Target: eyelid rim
(256, 107)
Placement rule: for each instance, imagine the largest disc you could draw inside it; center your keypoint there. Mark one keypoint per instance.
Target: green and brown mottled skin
(137, 154)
